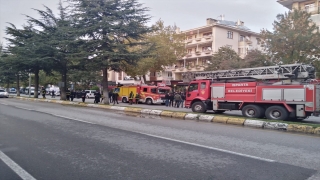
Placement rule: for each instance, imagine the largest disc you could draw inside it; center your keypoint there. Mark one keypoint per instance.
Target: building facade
(311, 6)
(203, 42)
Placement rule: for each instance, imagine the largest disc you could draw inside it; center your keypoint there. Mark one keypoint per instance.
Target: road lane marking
(174, 140)
(15, 167)
(207, 147)
(65, 117)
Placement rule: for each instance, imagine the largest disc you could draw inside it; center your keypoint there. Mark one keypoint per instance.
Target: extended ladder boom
(290, 71)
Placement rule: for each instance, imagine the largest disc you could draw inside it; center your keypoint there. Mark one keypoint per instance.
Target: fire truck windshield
(163, 91)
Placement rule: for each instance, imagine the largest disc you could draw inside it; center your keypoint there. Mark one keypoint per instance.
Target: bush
(95, 88)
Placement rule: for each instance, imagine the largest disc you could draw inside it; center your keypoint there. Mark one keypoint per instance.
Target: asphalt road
(312, 119)
(53, 141)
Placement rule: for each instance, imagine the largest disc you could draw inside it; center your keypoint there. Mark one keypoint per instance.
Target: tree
(63, 42)
(295, 38)
(111, 29)
(166, 47)
(226, 58)
(256, 58)
(30, 51)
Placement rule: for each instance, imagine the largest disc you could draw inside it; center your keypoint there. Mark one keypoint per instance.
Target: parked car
(3, 93)
(90, 93)
(12, 91)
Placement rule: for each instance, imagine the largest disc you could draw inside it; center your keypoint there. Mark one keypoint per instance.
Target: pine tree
(30, 51)
(62, 39)
(111, 29)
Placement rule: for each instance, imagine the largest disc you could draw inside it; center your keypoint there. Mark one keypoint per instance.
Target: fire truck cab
(278, 100)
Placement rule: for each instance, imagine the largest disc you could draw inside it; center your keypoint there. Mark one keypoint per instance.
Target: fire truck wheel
(252, 111)
(199, 107)
(124, 100)
(277, 113)
(149, 101)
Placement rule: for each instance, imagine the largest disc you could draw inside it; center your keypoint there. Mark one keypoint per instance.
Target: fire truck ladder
(283, 72)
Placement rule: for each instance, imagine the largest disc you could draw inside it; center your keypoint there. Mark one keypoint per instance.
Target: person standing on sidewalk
(72, 95)
(131, 96)
(97, 97)
(43, 91)
(115, 98)
(137, 98)
(167, 98)
(52, 94)
(68, 93)
(110, 96)
(171, 99)
(183, 98)
(177, 99)
(83, 95)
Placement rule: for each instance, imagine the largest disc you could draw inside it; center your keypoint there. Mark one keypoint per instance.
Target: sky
(186, 14)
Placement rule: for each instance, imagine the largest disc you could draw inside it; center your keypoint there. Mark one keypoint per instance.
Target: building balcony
(242, 43)
(312, 10)
(189, 55)
(199, 54)
(203, 40)
(198, 39)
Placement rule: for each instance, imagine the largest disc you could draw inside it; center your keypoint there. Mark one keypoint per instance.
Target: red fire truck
(148, 94)
(276, 92)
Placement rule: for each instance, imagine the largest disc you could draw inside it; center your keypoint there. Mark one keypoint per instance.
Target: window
(207, 34)
(230, 35)
(153, 90)
(163, 91)
(242, 38)
(207, 48)
(203, 85)
(193, 87)
(145, 89)
(169, 74)
(189, 51)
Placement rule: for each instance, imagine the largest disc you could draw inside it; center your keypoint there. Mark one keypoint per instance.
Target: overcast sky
(186, 14)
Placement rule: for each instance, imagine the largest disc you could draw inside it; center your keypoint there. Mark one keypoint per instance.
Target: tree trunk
(36, 83)
(8, 85)
(144, 79)
(105, 86)
(63, 89)
(18, 85)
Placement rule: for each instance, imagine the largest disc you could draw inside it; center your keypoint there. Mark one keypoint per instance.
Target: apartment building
(311, 6)
(203, 42)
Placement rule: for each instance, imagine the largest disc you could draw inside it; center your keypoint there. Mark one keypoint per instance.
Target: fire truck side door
(193, 90)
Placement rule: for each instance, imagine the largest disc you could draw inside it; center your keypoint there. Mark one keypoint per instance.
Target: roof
(232, 24)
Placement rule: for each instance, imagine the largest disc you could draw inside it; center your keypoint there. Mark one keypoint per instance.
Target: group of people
(175, 99)
(133, 97)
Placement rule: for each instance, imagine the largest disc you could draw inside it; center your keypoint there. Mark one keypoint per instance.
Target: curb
(198, 117)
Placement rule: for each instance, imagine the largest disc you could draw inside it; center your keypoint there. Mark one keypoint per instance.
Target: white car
(90, 93)
(4, 94)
